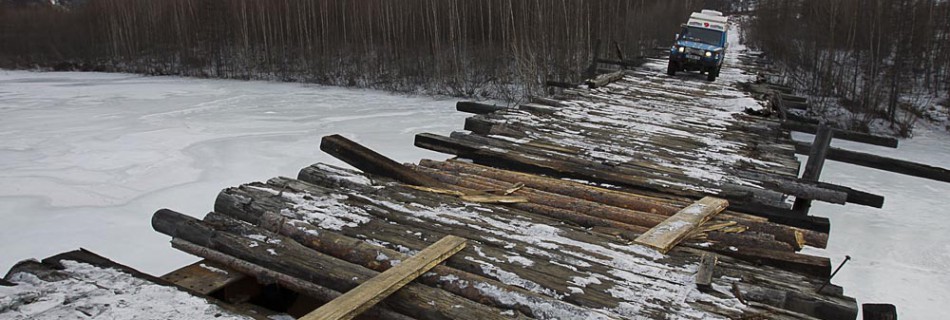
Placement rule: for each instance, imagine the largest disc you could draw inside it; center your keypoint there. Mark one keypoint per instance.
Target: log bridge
(637, 196)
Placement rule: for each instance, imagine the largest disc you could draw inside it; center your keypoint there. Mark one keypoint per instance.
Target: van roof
(708, 19)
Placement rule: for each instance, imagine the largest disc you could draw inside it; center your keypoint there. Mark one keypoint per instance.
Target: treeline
(493, 48)
(881, 59)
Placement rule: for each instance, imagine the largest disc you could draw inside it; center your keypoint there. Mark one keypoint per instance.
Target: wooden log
(371, 162)
(785, 216)
(604, 79)
(775, 183)
(286, 256)
(704, 276)
(559, 84)
(367, 294)
(507, 246)
(477, 107)
(563, 187)
(816, 161)
(389, 226)
(879, 311)
(881, 163)
(811, 265)
(637, 218)
(800, 264)
(538, 162)
(669, 233)
(843, 134)
(317, 292)
(465, 284)
(620, 199)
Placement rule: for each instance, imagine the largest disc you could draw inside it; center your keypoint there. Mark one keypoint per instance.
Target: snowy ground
(900, 254)
(86, 158)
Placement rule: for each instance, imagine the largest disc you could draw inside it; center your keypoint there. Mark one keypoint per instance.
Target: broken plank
(367, 294)
(705, 274)
(672, 230)
(203, 277)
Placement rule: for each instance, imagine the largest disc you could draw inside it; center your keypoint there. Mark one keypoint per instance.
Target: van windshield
(703, 35)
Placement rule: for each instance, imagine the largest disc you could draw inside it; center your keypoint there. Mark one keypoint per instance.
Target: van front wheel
(713, 73)
(671, 68)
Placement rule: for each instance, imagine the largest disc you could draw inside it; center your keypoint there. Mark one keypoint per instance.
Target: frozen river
(86, 158)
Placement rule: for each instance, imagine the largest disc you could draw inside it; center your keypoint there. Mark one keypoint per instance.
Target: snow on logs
(284, 255)
(532, 255)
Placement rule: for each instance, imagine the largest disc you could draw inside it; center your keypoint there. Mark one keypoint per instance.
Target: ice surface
(901, 253)
(86, 158)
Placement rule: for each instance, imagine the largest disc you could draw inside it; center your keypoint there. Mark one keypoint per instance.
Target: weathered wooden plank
(881, 163)
(707, 266)
(370, 161)
(368, 293)
(671, 231)
(203, 276)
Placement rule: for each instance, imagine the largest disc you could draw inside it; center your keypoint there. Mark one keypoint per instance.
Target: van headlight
(708, 54)
(681, 49)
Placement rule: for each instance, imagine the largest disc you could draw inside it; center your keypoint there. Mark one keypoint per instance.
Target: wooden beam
(880, 163)
(842, 134)
(369, 161)
(477, 107)
(705, 274)
(671, 231)
(367, 294)
(816, 160)
(203, 277)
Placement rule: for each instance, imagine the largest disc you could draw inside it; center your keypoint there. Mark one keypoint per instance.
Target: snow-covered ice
(900, 254)
(86, 158)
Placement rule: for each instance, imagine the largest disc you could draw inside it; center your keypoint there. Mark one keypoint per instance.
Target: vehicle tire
(671, 68)
(712, 75)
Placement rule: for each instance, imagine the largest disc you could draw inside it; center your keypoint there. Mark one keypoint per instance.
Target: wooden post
(367, 294)
(816, 160)
(371, 162)
(705, 274)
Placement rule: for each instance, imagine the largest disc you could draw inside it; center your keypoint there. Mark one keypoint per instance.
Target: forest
(499, 49)
(884, 61)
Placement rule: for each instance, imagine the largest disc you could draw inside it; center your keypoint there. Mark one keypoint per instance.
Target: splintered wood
(671, 231)
(355, 301)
